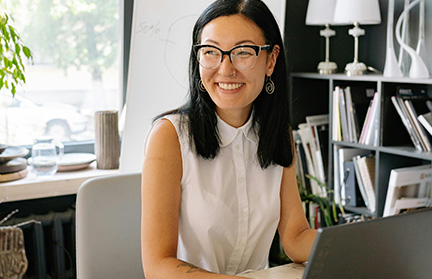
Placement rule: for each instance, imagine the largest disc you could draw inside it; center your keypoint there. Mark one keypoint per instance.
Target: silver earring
(269, 86)
(234, 73)
(201, 86)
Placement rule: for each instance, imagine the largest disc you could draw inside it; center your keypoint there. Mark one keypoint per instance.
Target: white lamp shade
(320, 12)
(360, 11)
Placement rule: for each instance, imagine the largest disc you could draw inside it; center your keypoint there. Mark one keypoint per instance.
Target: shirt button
(237, 147)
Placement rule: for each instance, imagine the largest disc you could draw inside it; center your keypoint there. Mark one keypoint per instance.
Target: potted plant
(329, 211)
(12, 52)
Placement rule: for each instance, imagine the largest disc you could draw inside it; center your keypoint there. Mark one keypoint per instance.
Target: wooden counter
(62, 183)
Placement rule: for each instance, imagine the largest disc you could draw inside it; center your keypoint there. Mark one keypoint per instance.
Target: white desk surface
(288, 271)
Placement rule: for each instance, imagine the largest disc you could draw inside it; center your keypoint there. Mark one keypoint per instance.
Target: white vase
(391, 68)
(418, 68)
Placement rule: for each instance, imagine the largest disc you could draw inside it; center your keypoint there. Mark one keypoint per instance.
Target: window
(76, 69)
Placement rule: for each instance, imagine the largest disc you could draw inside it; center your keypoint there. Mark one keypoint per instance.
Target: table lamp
(321, 12)
(357, 12)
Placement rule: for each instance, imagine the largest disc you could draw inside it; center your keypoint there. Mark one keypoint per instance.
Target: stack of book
(312, 151)
(354, 183)
(355, 115)
(311, 143)
(419, 127)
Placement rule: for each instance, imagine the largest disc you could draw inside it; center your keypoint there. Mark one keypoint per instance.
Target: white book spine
(426, 121)
(368, 182)
(417, 127)
(407, 125)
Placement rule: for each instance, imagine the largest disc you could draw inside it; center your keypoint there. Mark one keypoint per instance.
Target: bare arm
(161, 193)
(296, 235)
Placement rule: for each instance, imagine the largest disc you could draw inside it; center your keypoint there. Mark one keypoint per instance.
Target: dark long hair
(270, 112)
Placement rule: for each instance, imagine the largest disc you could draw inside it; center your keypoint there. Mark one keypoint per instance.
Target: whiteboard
(158, 68)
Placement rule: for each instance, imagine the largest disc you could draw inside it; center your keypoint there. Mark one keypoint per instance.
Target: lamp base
(327, 68)
(355, 68)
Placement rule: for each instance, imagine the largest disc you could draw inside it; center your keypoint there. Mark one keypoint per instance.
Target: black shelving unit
(312, 94)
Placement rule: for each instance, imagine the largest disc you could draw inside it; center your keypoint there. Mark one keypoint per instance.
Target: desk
(288, 271)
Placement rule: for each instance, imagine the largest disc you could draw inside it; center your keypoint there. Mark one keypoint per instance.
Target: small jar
(45, 156)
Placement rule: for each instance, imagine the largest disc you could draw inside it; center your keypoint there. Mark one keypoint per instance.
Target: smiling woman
(218, 177)
(75, 71)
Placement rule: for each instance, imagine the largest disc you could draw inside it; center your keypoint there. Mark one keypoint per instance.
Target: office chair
(108, 218)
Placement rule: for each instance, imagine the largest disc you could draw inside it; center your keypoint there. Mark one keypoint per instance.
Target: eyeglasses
(243, 57)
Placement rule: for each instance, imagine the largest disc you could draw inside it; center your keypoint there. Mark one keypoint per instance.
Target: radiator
(49, 244)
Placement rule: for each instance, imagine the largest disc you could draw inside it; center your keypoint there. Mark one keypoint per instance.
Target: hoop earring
(269, 86)
(201, 86)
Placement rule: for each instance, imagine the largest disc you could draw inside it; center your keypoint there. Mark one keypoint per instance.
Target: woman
(219, 173)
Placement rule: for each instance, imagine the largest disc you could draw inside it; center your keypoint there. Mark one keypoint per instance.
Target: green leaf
(11, 52)
(17, 48)
(15, 62)
(27, 52)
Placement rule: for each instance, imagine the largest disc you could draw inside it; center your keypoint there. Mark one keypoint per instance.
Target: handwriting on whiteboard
(148, 29)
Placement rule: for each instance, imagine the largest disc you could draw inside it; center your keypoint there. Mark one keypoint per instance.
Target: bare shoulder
(162, 151)
(163, 135)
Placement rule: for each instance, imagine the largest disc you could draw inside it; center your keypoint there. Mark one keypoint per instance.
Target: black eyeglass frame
(256, 48)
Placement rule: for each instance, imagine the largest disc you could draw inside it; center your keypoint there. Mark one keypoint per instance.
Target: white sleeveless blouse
(230, 206)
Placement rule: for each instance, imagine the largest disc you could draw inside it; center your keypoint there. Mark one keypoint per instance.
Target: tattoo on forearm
(192, 268)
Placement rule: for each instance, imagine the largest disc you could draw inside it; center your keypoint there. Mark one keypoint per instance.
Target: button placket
(243, 205)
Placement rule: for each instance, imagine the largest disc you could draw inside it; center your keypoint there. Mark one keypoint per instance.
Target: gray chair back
(108, 218)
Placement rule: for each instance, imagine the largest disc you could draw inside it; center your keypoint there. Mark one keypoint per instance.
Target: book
(303, 131)
(366, 167)
(343, 154)
(365, 123)
(336, 125)
(318, 128)
(351, 117)
(343, 116)
(418, 129)
(400, 108)
(426, 121)
(302, 169)
(360, 101)
(404, 110)
(408, 187)
(360, 182)
(413, 91)
(352, 192)
(371, 133)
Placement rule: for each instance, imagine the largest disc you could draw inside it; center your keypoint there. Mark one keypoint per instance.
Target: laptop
(399, 246)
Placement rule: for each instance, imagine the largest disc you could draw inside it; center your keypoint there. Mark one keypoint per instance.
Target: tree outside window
(75, 71)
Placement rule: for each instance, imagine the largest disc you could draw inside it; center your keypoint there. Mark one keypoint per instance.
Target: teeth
(230, 86)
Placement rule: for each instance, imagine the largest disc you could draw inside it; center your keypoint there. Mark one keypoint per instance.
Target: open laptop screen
(393, 247)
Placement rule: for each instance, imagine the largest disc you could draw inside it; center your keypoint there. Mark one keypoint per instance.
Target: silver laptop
(393, 247)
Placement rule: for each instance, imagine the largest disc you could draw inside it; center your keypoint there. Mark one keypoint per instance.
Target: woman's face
(232, 93)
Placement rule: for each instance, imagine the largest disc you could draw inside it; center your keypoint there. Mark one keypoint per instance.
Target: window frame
(126, 18)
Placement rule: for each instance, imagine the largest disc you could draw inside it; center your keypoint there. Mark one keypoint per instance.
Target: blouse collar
(228, 133)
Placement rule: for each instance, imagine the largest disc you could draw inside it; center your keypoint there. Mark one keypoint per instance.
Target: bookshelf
(311, 94)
